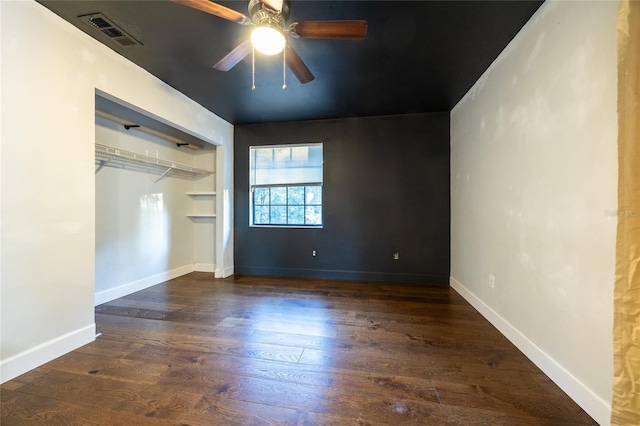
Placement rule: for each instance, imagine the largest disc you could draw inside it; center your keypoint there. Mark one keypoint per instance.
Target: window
(286, 185)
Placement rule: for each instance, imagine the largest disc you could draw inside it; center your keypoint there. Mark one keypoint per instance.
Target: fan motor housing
(261, 14)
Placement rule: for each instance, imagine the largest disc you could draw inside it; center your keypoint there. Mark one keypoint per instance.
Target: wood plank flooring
(268, 351)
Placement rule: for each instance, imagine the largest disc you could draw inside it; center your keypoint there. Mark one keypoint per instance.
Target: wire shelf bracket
(102, 164)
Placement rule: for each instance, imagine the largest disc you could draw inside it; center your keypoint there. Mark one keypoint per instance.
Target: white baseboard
(225, 272)
(28, 360)
(592, 403)
(204, 267)
(128, 288)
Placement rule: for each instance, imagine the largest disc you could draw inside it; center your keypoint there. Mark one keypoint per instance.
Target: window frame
(305, 204)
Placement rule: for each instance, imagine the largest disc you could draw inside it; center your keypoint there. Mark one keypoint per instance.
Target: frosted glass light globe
(267, 40)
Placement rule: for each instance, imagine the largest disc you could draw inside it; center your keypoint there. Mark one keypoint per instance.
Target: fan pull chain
(253, 68)
(284, 68)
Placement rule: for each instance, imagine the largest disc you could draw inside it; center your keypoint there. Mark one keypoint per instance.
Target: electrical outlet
(492, 282)
(396, 256)
(313, 253)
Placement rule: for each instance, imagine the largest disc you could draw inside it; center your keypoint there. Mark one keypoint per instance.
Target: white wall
(143, 234)
(50, 74)
(533, 173)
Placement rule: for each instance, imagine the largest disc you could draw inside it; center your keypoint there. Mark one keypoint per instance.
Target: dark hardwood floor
(267, 351)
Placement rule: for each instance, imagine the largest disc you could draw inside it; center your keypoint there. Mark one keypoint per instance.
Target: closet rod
(129, 125)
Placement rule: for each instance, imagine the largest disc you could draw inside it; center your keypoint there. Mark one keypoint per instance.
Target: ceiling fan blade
(353, 30)
(216, 9)
(235, 56)
(297, 67)
(274, 4)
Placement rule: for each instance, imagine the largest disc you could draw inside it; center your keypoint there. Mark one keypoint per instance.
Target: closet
(155, 190)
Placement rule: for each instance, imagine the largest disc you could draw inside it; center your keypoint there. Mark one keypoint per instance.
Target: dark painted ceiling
(418, 56)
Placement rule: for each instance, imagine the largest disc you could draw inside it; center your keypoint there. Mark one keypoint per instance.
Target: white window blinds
(285, 164)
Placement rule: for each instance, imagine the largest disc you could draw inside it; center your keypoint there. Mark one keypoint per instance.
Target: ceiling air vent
(101, 23)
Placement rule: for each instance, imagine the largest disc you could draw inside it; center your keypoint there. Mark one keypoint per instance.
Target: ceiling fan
(270, 20)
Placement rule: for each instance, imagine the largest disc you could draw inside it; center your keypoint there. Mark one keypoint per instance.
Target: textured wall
(386, 190)
(533, 182)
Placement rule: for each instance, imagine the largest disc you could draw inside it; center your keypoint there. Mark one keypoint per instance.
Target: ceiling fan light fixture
(268, 40)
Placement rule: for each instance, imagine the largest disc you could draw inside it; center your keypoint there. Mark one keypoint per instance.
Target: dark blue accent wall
(386, 190)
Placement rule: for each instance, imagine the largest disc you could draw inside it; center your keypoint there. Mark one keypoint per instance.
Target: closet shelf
(201, 193)
(116, 157)
(201, 215)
